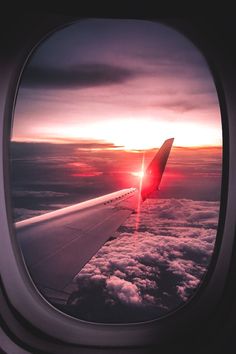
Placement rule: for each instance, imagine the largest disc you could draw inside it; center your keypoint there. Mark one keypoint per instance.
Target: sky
(125, 82)
(95, 100)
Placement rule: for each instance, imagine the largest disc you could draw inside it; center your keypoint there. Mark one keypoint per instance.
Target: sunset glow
(134, 134)
(131, 92)
(138, 174)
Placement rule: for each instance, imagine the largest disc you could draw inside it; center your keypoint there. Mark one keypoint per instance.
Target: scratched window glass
(116, 157)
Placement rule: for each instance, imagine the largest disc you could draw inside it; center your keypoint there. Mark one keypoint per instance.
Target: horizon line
(61, 141)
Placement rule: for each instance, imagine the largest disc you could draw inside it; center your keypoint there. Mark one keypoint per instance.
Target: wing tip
(170, 140)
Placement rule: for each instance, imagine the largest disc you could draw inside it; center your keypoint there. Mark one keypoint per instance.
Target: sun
(139, 174)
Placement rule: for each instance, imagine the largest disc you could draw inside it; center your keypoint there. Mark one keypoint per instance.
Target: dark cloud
(198, 102)
(79, 76)
(58, 151)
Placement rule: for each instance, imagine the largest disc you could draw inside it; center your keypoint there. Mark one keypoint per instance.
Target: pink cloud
(124, 290)
(132, 267)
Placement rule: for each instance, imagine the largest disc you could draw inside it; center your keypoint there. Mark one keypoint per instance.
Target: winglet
(154, 171)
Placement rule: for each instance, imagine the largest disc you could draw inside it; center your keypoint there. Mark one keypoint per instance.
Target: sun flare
(139, 174)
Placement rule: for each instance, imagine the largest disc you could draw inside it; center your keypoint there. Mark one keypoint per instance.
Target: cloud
(154, 268)
(79, 76)
(190, 173)
(23, 213)
(124, 290)
(38, 194)
(81, 169)
(183, 103)
(45, 175)
(157, 267)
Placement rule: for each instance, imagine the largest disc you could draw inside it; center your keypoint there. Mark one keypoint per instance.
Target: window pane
(96, 101)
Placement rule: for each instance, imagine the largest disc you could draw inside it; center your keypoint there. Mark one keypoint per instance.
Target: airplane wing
(58, 244)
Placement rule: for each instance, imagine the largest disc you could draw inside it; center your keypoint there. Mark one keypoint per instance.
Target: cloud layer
(158, 259)
(146, 272)
(44, 175)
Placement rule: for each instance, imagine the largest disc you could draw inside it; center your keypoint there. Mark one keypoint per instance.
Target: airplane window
(116, 158)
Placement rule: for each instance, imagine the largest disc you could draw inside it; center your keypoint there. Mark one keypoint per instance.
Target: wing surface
(57, 248)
